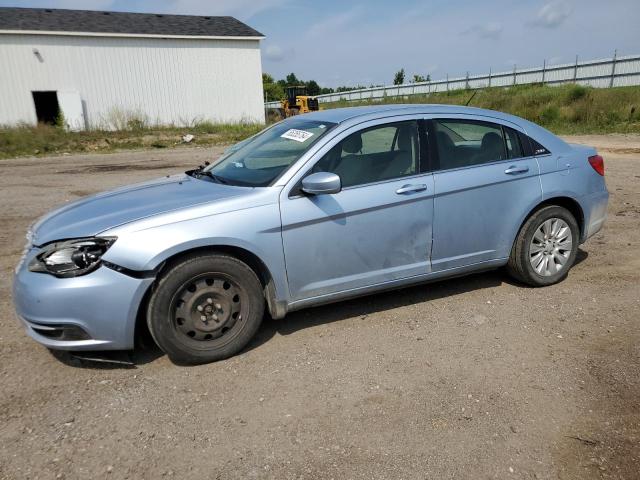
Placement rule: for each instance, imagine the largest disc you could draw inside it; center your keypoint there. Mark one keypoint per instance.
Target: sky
(341, 42)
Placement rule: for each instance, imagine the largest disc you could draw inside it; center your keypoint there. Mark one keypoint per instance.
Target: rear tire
(545, 248)
(205, 308)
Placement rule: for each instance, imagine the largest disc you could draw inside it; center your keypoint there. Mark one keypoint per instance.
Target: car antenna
(470, 98)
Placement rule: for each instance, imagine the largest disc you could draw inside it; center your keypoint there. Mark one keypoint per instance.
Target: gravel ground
(475, 377)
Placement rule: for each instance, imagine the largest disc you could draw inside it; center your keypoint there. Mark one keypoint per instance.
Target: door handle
(411, 188)
(515, 169)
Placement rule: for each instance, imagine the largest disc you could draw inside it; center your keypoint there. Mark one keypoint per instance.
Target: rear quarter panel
(569, 174)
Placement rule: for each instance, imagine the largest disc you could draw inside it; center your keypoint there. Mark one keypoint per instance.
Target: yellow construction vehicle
(297, 101)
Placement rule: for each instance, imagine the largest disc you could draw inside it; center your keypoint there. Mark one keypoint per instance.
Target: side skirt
(397, 284)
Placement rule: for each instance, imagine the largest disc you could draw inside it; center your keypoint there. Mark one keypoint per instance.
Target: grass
(43, 139)
(566, 109)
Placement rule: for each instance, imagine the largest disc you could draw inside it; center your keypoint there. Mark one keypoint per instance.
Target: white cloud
(274, 53)
(552, 14)
(334, 23)
(490, 30)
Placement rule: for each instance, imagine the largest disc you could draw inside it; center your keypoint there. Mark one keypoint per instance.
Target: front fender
(256, 230)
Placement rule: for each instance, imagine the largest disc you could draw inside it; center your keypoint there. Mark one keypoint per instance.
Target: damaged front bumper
(96, 311)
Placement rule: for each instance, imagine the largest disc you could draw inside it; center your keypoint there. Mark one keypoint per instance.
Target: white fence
(603, 73)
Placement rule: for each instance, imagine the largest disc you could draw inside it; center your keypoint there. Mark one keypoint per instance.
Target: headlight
(71, 258)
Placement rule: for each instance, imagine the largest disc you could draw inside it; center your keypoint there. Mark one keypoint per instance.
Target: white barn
(109, 69)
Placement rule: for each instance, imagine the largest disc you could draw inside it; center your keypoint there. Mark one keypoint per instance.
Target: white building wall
(167, 81)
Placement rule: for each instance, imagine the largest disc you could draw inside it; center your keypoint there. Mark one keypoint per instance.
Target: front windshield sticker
(297, 135)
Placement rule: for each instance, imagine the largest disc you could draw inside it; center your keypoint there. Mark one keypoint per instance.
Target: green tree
(272, 90)
(418, 78)
(292, 80)
(398, 79)
(312, 87)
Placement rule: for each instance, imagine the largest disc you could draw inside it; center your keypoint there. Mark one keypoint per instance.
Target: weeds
(565, 109)
(48, 139)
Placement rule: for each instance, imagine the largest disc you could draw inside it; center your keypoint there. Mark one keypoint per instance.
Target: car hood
(92, 215)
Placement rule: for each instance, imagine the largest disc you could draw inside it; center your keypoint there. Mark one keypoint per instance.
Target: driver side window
(379, 153)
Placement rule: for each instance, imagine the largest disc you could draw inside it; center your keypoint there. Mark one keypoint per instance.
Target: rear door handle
(411, 188)
(513, 169)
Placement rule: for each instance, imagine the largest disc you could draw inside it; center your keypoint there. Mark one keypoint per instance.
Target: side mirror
(320, 183)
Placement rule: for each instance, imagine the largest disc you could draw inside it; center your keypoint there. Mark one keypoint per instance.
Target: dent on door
(359, 237)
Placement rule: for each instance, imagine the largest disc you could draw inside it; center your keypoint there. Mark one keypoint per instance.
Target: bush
(549, 115)
(576, 92)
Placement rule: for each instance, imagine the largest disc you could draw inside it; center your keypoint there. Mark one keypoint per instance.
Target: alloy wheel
(550, 247)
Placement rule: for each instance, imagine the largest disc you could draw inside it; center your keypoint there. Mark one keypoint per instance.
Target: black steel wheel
(205, 308)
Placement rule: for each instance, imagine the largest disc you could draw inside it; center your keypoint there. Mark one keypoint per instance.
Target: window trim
(506, 148)
(525, 141)
(526, 146)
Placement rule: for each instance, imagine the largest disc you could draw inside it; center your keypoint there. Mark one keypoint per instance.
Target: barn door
(71, 107)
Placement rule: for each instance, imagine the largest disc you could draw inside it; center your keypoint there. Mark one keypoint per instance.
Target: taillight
(597, 162)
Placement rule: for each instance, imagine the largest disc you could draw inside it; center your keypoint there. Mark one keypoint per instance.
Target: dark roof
(49, 19)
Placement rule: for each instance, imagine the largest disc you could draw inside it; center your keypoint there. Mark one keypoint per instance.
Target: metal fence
(603, 73)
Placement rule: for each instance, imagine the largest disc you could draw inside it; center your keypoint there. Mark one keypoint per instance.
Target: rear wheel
(545, 248)
(205, 308)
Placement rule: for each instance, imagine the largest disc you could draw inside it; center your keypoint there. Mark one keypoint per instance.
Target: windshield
(259, 160)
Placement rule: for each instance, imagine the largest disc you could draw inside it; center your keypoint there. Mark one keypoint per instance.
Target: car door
(377, 229)
(485, 184)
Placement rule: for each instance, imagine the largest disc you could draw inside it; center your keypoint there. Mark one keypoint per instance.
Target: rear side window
(537, 148)
(464, 143)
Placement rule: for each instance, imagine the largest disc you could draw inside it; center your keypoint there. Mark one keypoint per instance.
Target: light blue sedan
(314, 209)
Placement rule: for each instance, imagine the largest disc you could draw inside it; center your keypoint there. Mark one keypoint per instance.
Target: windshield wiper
(213, 176)
(201, 172)
(196, 172)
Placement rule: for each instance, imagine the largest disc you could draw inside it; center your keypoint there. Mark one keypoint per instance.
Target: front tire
(545, 248)
(205, 308)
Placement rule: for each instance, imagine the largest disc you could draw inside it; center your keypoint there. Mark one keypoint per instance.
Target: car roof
(339, 115)
(358, 114)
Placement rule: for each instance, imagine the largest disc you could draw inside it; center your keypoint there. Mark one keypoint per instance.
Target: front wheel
(205, 308)
(545, 248)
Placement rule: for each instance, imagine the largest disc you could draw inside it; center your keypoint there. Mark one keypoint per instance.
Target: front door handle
(513, 169)
(411, 188)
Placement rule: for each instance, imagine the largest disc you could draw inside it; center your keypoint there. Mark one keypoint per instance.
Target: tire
(538, 261)
(205, 308)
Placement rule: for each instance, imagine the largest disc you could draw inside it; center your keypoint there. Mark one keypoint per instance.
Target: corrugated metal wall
(165, 81)
(610, 72)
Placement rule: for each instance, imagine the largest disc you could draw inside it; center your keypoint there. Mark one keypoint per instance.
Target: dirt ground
(476, 377)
